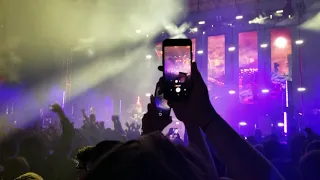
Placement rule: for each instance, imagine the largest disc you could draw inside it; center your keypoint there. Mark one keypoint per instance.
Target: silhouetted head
(313, 145)
(29, 176)
(84, 157)
(153, 157)
(14, 167)
(309, 166)
(102, 148)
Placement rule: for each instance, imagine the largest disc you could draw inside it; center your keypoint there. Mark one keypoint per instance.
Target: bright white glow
(148, 94)
(148, 56)
(203, 32)
(242, 123)
(202, 22)
(176, 32)
(301, 89)
(264, 45)
(63, 99)
(138, 31)
(280, 124)
(250, 22)
(279, 11)
(193, 30)
(265, 90)
(285, 122)
(281, 42)
(287, 94)
(90, 52)
(239, 17)
(177, 123)
(270, 16)
(232, 48)
(232, 92)
(178, 90)
(200, 52)
(298, 42)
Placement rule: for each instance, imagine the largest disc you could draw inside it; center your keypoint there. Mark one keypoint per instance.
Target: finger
(152, 101)
(160, 85)
(160, 68)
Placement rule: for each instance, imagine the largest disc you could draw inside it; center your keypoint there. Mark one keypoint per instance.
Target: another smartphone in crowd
(177, 59)
(161, 103)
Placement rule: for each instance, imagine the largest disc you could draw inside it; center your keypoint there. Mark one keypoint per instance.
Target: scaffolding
(67, 105)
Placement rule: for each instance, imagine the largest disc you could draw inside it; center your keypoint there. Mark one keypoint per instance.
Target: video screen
(281, 48)
(177, 63)
(248, 67)
(216, 66)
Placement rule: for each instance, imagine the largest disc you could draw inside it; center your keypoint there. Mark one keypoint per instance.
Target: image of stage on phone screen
(177, 65)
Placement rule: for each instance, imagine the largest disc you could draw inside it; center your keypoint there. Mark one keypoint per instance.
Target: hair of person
(309, 166)
(102, 148)
(14, 167)
(29, 176)
(85, 154)
(153, 156)
(313, 145)
(192, 153)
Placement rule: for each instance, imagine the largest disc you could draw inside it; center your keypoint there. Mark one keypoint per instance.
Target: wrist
(207, 117)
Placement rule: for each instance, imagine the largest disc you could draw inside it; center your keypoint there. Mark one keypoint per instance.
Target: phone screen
(161, 104)
(177, 59)
(177, 63)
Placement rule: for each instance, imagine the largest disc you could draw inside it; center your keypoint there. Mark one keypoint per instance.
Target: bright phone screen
(177, 64)
(161, 103)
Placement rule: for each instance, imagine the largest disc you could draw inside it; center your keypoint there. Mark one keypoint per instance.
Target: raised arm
(243, 161)
(84, 115)
(196, 138)
(67, 132)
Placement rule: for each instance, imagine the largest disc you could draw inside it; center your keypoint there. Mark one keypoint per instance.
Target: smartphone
(177, 59)
(161, 103)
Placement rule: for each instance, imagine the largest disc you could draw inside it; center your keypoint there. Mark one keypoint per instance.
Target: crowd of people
(211, 149)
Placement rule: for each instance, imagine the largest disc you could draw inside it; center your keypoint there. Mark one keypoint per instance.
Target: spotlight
(194, 30)
(281, 42)
(265, 91)
(239, 17)
(138, 31)
(280, 124)
(148, 94)
(148, 56)
(264, 45)
(279, 11)
(299, 42)
(301, 89)
(203, 32)
(242, 123)
(201, 22)
(232, 48)
(200, 52)
(271, 16)
(232, 92)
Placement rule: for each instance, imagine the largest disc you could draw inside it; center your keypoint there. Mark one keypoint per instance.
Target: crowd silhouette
(211, 149)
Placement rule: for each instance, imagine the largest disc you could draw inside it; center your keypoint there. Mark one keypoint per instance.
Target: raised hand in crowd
(151, 120)
(244, 162)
